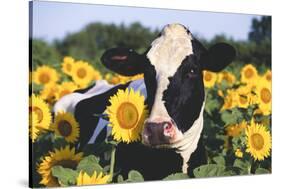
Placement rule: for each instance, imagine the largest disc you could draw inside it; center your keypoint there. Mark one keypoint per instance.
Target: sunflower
(264, 93)
(82, 73)
(66, 88)
(249, 74)
(268, 75)
(235, 130)
(127, 113)
(210, 79)
(244, 96)
(50, 92)
(258, 141)
(67, 65)
(115, 79)
(66, 126)
(33, 123)
(229, 100)
(37, 105)
(227, 77)
(45, 75)
(238, 153)
(64, 157)
(96, 75)
(84, 179)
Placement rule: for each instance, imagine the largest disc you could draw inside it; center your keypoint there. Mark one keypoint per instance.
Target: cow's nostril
(167, 126)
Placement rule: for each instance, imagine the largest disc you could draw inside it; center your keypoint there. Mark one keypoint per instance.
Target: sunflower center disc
(64, 128)
(127, 115)
(68, 67)
(268, 77)
(44, 78)
(208, 76)
(257, 141)
(81, 73)
(249, 73)
(39, 113)
(243, 99)
(265, 95)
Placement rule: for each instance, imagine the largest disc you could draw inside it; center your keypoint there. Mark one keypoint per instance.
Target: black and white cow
(174, 91)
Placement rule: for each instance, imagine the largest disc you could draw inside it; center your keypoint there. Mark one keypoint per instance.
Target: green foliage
(89, 164)
(44, 54)
(260, 29)
(176, 176)
(211, 170)
(244, 166)
(231, 116)
(89, 43)
(262, 171)
(135, 176)
(65, 176)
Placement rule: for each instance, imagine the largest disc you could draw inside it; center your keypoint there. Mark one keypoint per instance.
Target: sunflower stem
(112, 162)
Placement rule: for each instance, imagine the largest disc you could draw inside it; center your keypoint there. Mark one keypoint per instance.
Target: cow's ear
(218, 57)
(123, 61)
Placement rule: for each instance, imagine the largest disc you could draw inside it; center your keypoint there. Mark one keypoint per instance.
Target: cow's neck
(188, 144)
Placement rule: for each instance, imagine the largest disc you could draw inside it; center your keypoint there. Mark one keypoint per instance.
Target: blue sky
(53, 20)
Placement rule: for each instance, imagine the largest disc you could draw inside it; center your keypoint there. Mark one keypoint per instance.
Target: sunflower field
(237, 121)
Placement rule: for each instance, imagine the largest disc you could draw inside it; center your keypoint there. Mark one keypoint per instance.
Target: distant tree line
(89, 43)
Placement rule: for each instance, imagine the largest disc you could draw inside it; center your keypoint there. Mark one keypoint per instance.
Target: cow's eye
(192, 73)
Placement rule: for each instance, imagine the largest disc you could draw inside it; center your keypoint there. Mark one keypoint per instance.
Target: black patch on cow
(86, 110)
(152, 163)
(82, 91)
(218, 57)
(184, 95)
(150, 84)
(198, 49)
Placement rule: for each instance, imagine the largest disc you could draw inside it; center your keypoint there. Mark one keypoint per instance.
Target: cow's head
(172, 68)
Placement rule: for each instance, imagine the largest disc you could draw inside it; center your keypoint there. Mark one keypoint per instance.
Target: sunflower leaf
(262, 171)
(244, 166)
(90, 164)
(176, 176)
(219, 160)
(120, 179)
(65, 176)
(135, 176)
(211, 170)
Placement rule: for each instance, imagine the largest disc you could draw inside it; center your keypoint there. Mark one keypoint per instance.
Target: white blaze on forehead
(166, 55)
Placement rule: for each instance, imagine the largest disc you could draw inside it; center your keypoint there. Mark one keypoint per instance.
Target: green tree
(260, 29)
(43, 53)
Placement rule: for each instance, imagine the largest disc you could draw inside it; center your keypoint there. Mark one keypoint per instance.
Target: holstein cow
(174, 91)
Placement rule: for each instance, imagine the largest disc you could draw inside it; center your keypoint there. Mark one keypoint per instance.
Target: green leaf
(231, 116)
(219, 160)
(90, 164)
(120, 179)
(135, 176)
(176, 176)
(244, 166)
(262, 171)
(65, 176)
(228, 118)
(211, 105)
(211, 170)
